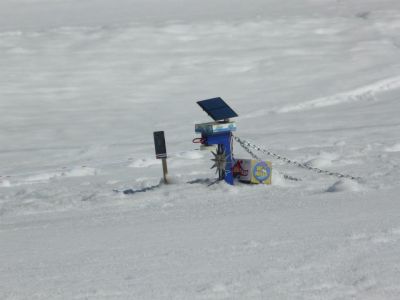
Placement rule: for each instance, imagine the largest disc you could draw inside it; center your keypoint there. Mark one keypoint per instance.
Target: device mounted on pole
(161, 151)
(219, 133)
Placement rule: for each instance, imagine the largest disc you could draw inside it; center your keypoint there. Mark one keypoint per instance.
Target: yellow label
(261, 172)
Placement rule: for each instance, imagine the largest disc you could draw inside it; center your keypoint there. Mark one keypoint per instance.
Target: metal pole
(165, 170)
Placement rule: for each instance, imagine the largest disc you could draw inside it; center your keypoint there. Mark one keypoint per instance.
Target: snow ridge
(365, 93)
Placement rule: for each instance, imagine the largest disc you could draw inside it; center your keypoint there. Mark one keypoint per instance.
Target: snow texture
(83, 85)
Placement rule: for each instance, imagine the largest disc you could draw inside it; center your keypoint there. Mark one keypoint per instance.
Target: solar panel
(217, 109)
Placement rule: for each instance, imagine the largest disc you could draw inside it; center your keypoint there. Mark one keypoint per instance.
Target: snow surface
(83, 84)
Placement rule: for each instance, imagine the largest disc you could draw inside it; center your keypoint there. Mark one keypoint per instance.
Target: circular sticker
(261, 171)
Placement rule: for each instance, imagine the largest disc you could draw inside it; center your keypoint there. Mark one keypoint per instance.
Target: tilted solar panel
(217, 109)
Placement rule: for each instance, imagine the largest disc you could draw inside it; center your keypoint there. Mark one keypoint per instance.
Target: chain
(247, 145)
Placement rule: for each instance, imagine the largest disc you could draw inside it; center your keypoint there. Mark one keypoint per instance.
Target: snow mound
(345, 185)
(42, 177)
(144, 163)
(74, 172)
(80, 172)
(394, 148)
(5, 183)
(190, 155)
(324, 160)
(280, 179)
(174, 179)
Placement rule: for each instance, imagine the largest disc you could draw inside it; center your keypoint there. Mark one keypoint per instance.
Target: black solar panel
(217, 109)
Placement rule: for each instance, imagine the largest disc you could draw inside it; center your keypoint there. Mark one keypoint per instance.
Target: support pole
(224, 142)
(165, 170)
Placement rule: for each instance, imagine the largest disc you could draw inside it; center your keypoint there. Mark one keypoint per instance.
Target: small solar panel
(217, 109)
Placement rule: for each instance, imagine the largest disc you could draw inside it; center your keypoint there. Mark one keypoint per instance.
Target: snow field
(317, 82)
